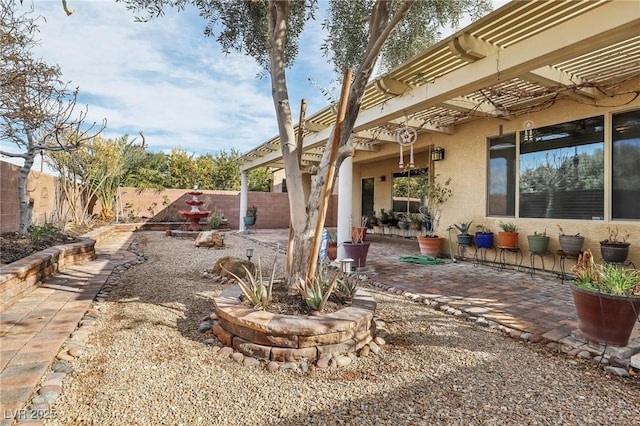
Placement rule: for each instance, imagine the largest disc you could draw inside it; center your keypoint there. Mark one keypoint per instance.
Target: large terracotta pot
(332, 251)
(357, 252)
(605, 318)
(508, 239)
(430, 246)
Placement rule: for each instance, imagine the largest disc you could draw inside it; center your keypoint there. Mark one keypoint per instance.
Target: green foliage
(257, 292)
(437, 194)
(348, 286)
(615, 236)
(252, 211)
(40, 232)
(317, 292)
(214, 221)
(609, 279)
(508, 227)
(260, 179)
(463, 227)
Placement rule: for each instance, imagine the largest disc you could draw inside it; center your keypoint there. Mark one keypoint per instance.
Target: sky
(165, 78)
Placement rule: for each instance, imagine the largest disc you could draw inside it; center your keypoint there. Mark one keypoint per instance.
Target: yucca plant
(253, 287)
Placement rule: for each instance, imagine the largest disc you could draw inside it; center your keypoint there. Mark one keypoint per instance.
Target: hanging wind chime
(406, 136)
(528, 131)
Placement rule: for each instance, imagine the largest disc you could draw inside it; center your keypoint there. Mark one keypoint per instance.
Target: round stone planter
(538, 244)
(571, 245)
(614, 252)
(284, 338)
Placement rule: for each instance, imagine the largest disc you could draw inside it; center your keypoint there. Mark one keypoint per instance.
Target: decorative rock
(251, 362)
(617, 371)
(210, 341)
(379, 341)
(213, 316)
(343, 361)
(304, 366)
(323, 362)
(364, 352)
(64, 356)
(584, 354)
(62, 367)
(481, 321)
(209, 239)
(535, 338)
(47, 398)
(234, 265)
(289, 366)
(635, 361)
(374, 347)
(50, 388)
(225, 352)
(525, 336)
(75, 351)
(237, 357)
(273, 366)
(601, 360)
(204, 326)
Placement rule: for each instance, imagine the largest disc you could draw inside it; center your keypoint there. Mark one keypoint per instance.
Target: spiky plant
(253, 286)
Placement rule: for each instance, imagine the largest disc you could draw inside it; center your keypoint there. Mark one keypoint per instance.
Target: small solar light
(249, 254)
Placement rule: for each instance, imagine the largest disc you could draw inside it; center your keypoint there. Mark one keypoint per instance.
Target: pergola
(519, 59)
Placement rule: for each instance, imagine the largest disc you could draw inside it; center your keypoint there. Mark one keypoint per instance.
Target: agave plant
(348, 286)
(253, 287)
(463, 227)
(317, 292)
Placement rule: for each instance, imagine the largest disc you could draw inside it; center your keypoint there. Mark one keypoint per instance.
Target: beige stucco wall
(466, 163)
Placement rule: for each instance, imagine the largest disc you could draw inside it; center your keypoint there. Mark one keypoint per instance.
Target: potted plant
(508, 237)
(373, 219)
(607, 300)
(403, 223)
(250, 218)
(539, 242)
(357, 248)
(464, 238)
(415, 221)
(384, 217)
(484, 237)
(392, 218)
(571, 245)
(332, 249)
(436, 195)
(615, 249)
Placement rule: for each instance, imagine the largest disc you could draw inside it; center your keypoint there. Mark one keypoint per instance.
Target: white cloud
(166, 78)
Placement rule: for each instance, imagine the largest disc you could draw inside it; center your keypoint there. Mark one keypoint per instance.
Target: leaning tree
(359, 31)
(36, 106)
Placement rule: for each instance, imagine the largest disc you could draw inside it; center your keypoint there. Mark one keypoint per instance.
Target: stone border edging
(286, 338)
(613, 360)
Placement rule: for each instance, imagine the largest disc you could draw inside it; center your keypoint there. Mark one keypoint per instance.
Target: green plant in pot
(539, 242)
(415, 221)
(484, 237)
(436, 195)
(508, 237)
(615, 249)
(252, 214)
(607, 300)
(570, 244)
(464, 237)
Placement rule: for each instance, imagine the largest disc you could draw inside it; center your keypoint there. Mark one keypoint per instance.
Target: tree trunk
(26, 207)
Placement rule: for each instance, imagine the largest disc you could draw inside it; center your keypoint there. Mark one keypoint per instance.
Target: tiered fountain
(195, 214)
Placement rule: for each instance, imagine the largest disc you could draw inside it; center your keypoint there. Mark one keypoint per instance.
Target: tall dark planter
(357, 252)
(614, 252)
(605, 318)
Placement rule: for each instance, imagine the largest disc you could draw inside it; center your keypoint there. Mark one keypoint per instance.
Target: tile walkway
(34, 329)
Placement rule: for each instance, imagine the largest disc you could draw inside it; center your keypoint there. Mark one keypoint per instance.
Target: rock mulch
(146, 362)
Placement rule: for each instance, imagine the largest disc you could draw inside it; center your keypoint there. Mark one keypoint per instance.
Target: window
(502, 176)
(409, 190)
(562, 171)
(625, 159)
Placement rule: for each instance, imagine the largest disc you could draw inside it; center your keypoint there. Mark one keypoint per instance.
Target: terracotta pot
(355, 232)
(605, 318)
(430, 246)
(332, 251)
(508, 239)
(357, 252)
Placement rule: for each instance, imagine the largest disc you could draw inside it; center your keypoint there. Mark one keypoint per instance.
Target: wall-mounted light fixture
(382, 178)
(437, 154)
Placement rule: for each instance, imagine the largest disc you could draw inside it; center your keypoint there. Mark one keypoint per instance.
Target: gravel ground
(146, 364)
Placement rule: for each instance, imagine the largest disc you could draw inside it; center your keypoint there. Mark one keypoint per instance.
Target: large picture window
(502, 176)
(625, 158)
(562, 171)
